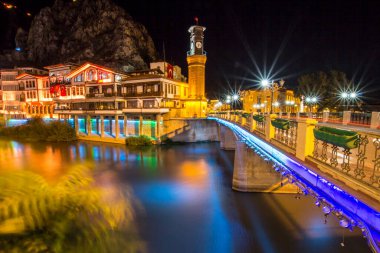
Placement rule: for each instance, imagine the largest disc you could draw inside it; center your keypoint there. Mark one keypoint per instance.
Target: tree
(324, 85)
(74, 215)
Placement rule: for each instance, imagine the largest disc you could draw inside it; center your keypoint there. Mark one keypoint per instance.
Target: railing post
(269, 129)
(375, 120)
(288, 115)
(346, 117)
(325, 116)
(305, 138)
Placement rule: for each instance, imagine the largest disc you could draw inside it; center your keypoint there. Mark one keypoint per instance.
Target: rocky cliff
(86, 30)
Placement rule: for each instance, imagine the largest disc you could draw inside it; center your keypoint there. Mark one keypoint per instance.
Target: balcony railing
(143, 94)
(102, 95)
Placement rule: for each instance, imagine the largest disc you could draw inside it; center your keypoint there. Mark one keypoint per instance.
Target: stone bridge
(264, 166)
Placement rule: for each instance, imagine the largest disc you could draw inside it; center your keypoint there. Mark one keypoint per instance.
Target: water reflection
(185, 199)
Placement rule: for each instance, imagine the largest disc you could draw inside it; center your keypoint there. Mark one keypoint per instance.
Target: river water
(185, 202)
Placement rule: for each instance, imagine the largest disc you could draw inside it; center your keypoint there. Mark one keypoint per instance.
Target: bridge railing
(357, 164)
(288, 136)
(359, 161)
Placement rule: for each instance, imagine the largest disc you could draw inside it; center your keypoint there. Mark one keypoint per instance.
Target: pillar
(375, 120)
(117, 127)
(101, 126)
(305, 138)
(269, 129)
(76, 124)
(125, 125)
(325, 116)
(140, 124)
(110, 122)
(88, 124)
(158, 125)
(97, 125)
(346, 117)
(243, 121)
(227, 138)
(253, 123)
(253, 174)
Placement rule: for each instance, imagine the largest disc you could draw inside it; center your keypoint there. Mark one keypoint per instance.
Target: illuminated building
(35, 95)
(13, 104)
(160, 90)
(259, 100)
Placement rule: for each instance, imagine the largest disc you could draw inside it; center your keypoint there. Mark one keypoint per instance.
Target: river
(185, 202)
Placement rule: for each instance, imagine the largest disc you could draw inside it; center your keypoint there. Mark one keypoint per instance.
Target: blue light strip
(359, 213)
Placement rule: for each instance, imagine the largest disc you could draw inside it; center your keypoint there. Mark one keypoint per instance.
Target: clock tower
(196, 60)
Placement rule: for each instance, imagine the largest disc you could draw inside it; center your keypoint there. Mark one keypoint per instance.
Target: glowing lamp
(353, 95)
(265, 82)
(344, 95)
(326, 210)
(235, 97)
(344, 223)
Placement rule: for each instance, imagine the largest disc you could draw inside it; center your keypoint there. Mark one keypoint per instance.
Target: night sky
(245, 38)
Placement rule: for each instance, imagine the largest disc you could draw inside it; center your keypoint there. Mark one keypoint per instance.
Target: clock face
(198, 44)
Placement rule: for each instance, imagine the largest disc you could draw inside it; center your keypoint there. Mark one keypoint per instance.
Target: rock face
(88, 30)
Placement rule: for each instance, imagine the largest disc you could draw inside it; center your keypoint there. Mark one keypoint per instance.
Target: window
(91, 75)
(103, 75)
(79, 78)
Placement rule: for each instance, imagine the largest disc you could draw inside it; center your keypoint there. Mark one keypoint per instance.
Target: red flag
(169, 71)
(196, 20)
(63, 90)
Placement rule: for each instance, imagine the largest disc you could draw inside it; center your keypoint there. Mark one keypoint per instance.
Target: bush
(73, 215)
(141, 140)
(37, 130)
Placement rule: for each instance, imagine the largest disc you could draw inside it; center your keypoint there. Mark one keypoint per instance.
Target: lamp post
(311, 101)
(272, 86)
(347, 97)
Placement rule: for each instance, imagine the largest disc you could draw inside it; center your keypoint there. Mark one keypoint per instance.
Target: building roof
(30, 76)
(89, 64)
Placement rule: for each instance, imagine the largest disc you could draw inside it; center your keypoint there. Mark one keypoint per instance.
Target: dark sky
(244, 38)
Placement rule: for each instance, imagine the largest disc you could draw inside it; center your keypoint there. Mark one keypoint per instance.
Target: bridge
(343, 179)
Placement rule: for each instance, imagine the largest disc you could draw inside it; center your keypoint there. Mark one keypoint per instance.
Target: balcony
(102, 95)
(143, 94)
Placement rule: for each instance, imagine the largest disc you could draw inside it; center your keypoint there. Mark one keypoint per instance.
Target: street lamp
(347, 97)
(273, 86)
(312, 101)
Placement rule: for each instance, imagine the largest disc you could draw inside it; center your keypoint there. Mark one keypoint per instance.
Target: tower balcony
(189, 53)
